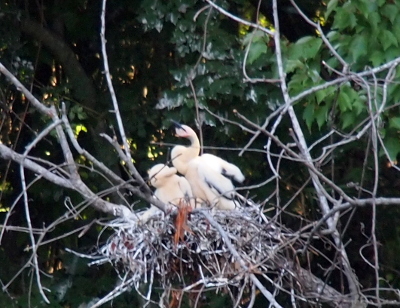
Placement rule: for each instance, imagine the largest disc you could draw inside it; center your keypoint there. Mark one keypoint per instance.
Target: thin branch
(320, 191)
(317, 26)
(32, 237)
(146, 196)
(121, 129)
(368, 72)
(236, 255)
(247, 23)
(20, 87)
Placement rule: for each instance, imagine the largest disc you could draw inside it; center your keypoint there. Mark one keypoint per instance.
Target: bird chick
(171, 189)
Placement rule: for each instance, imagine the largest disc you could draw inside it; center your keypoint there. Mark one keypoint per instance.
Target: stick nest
(202, 254)
(201, 259)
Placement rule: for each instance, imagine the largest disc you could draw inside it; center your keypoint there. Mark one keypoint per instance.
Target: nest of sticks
(212, 250)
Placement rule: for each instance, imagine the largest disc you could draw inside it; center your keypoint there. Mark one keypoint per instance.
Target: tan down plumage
(171, 189)
(209, 176)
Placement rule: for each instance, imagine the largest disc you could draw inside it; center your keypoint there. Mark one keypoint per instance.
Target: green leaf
(308, 115)
(333, 62)
(321, 115)
(358, 47)
(332, 4)
(394, 122)
(396, 27)
(377, 57)
(344, 101)
(255, 36)
(390, 11)
(323, 95)
(394, 92)
(314, 75)
(391, 53)
(359, 103)
(375, 20)
(348, 119)
(256, 50)
(345, 17)
(366, 7)
(291, 65)
(381, 2)
(221, 86)
(333, 35)
(305, 48)
(172, 17)
(258, 44)
(388, 39)
(392, 146)
(382, 132)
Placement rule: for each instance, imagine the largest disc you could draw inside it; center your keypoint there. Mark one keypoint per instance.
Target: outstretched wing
(213, 176)
(210, 185)
(223, 167)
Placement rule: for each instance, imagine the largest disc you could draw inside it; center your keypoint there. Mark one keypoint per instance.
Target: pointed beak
(147, 179)
(178, 125)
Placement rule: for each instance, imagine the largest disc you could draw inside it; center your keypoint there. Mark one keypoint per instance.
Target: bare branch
(317, 26)
(247, 23)
(121, 129)
(234, 252)
(352, 281)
